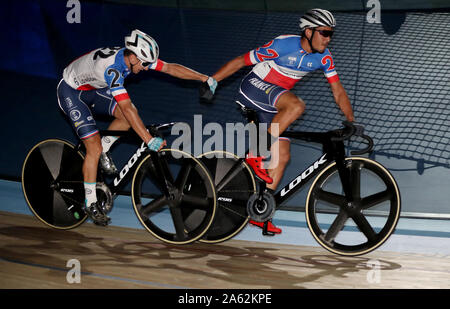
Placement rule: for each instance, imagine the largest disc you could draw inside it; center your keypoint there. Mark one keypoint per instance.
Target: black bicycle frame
(117, 182)
(333, 151)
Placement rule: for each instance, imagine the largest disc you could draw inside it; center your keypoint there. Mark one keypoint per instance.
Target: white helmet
(317, 18)
(143, 45)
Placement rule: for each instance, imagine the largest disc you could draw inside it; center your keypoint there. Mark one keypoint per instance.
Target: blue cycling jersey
(284, 62)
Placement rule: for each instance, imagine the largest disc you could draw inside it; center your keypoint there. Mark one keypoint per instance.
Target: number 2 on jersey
(105, 52)
(328, 59)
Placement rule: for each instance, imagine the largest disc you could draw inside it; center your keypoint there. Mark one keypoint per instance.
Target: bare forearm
(342, 100)
(133, 118)
(180, 71)
(344, 104)
(229, 68)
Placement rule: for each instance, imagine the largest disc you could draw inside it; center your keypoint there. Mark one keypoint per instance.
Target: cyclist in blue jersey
(93, 84)
(279, 65)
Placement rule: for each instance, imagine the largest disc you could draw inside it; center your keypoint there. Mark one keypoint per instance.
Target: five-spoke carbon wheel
(174, 196)
(362, 223)
(52, 182)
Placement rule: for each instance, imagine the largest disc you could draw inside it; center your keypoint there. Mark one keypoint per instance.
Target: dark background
(396, 72)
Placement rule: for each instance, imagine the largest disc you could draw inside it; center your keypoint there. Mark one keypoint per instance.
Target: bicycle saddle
(247, 112)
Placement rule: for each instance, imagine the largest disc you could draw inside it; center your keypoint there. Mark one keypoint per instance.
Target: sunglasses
(326, 33)
(144, 64)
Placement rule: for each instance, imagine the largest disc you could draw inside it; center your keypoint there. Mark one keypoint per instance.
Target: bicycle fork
(343, 171)
(162, 175)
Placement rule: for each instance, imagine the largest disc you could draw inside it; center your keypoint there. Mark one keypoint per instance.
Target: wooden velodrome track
(34, 256)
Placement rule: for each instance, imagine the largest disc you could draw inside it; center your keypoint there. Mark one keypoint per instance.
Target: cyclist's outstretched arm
(342, 100)
(230, 68)
(180, 71)
(208, 88)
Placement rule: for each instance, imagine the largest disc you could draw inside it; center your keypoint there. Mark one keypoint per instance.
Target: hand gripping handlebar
(352, 129)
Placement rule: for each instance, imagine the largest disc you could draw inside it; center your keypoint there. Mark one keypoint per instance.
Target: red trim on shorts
(86, 87)
(278, 97)
(90, 135)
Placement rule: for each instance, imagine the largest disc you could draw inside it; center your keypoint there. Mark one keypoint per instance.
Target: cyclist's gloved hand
(155, 143)
(207, 89)
(359, 128)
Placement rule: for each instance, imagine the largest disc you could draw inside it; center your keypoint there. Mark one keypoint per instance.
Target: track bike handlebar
(153, 128)
(365, 150)
(344, 134)
(352, 129)
(161, 126)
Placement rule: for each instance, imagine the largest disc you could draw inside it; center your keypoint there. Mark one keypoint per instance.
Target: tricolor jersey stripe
(157, 66)
(120, 94)
(284, 62)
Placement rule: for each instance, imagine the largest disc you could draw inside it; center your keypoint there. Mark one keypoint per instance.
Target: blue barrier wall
(393, 71)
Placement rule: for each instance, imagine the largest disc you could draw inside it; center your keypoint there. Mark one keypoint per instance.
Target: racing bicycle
(172, 192)
(352, 207)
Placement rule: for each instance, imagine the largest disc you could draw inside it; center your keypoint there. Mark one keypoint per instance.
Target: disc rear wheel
(52, 183)
(235, 184)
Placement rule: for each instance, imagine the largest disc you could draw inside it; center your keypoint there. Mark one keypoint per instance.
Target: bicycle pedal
(267, 233)
(265, 230)
(96, 215)
(104, 222)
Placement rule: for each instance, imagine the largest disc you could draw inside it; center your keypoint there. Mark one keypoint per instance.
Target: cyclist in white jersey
(280, 64)
(93, 85)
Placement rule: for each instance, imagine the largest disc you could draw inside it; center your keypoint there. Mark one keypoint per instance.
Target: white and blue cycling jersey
(284, 62)
(102, 68)
(94, 84)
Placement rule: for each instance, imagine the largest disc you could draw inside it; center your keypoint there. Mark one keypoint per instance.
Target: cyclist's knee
(292, 104)
(93, 146)
(298, 108)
